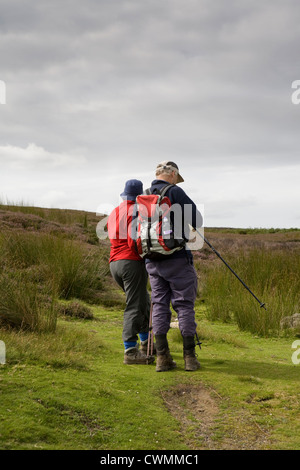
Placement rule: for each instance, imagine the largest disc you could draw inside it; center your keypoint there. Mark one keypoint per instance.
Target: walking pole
(262, 304)
(150, 335)
(198, 342)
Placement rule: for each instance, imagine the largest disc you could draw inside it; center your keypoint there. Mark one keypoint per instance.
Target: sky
(99, 92)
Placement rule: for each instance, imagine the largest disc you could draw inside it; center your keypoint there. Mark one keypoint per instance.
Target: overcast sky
(98, 92)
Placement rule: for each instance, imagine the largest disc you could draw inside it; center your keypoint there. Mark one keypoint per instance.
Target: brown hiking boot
(144, 347)
(164, 361)
(190, 361)
(135, 356)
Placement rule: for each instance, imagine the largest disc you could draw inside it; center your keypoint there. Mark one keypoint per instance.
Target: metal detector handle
(262, 304)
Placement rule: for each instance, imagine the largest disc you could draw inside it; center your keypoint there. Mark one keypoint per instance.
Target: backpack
(155, 236)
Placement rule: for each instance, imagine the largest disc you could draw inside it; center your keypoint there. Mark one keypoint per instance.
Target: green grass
(68, 264)
(272, 276)
(71, 390)
(37, 269)
(65, 386)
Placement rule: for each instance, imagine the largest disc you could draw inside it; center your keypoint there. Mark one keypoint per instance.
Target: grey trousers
(132, 277)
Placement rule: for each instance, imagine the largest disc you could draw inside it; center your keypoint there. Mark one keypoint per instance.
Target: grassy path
(70, 390)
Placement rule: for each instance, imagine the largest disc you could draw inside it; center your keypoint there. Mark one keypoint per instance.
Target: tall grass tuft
(273, 276)
(35, 269)
(24, 305)
(72, 269)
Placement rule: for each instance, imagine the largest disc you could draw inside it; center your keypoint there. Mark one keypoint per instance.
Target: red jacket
(119, 226)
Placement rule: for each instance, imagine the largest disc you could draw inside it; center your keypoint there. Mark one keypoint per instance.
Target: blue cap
(132, 189)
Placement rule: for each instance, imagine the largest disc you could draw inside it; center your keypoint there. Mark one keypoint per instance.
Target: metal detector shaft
(262, 304)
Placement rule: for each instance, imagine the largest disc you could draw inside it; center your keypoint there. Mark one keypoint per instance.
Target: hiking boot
(190, 358)
(144, 347)
(164, 361)
(135, 356)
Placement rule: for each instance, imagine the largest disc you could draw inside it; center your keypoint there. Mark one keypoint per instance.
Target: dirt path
(198, 409)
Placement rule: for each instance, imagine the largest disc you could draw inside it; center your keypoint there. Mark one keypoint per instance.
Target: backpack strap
(161, 192)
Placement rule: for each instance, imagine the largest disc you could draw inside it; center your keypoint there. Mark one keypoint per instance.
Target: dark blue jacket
(191, 216)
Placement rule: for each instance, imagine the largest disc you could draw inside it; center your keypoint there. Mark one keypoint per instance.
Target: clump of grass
(216, 290)
(273, 276)
(35, 266)
(72, 269)
(25, 305)
(76, 309)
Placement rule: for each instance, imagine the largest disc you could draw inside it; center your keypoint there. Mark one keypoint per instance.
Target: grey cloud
(129, 83)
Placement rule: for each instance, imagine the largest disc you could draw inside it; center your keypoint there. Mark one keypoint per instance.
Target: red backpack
(155, 236)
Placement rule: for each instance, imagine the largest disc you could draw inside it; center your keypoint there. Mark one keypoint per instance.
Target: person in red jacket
(128, 270)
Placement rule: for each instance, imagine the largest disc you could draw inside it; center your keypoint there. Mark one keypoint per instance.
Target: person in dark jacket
(173, 278)
(128, 270)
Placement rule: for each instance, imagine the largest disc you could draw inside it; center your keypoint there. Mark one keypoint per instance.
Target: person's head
(132, 189)
(168, 171)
